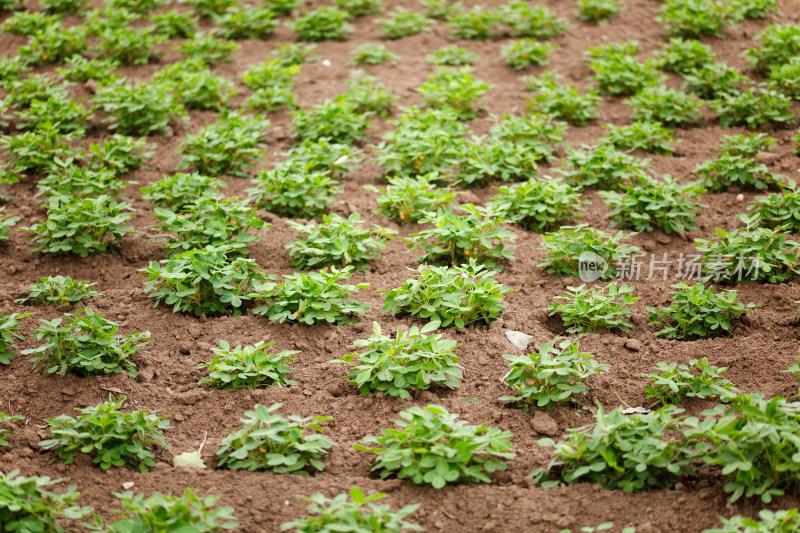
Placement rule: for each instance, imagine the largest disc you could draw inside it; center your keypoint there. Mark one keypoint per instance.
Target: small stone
(68, 391)
(186, 348)
(128, 485)
(649, 245)
(664, 239)
(307, 392)
(83, 460)
(191, 397)
(326, 62)
(427, 397)
(740, 197)
(91, 86)
(544, 424)
(634, 345)
(518, 339)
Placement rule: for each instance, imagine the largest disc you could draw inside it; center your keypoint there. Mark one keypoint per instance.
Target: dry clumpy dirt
(764, 346)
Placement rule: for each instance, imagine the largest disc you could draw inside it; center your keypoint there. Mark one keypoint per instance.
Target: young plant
(337, 159)
(454, 239)
(585, 310)
(107, 435)
(247, 367)
(28, 23)
(334, 120)
(752, 440)
(476, 24)
(140, 110)
(564, 101)
(328, 23)
(311, 298)
(129, 46)
(70, 181)
(729, 169)
(598, 10)
(82, 226)
(226, 147)
(371, 54)
(9, 331)
(179, 190)
(289, 54)
(273, 73)
(751, 9)
(28, 504)
(294, 192)
(63, 7)
(670, 107)
(786, 78)
(211, 281)
(484, 161)
(431, 446)
(694, 18)
(211, 8)
(409, 362)
(767, 522)
(454, 296)
(86, 344)
(120, 154)
(540, 135)
(59, 290)
(406, 200)
(603, 167)
(6, 223)
(753, 108)
(672, 382)
(651, 205)
(53, 44)
(682, 56)
(537, 204)
(358, 512)
(160, 512)
(440, 9)
(749, 254)
(618, 72)
(359, 8)
(697, 312)
(778, 210)
(533, 22)
(337, 241)
(715, 80)
(174, 25)
(458, 89)
(568, 247)
(207, 48)
(558, 372)
(283, 7)
(778, 44)
(210, 222)
(271, 99)
(368, 95)
(620, 451)
(196, 86)
(268, 441)
(252, 23)
(650, 137)
(747, 145)
(4, 433)
(403, 23)
(523, 53)
(452, 56)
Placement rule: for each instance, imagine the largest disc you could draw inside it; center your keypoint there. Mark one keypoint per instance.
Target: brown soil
(762, 347)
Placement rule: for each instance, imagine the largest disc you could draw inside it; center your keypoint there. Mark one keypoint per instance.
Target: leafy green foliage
(139, 110)
(715, 80)
(694, 18)
(6, 432)
(672, 383)
(558, 372)
(403, 23)
(82, 226)
(9, 327)
(6, 223)
(565, 101)
(458, 89)
(697, 312)
(670, 107)
(271, 99)
(497, 159)
(176, 191)
(337, 241)
(523, 53)
(408, 199)
(357, 513)
(290, 54)
(226, 147)
(440, 9)
(565, 247)
(778, 44)
(748, 144)
(749, 254)
(751, 9)
(598, 10)
(109, 436)
(368, 94)
(682, 56)
(129, 46)
(69, 182)
(209, 221)
(753, 108)
(399, 366)
(35, 152)
(28, 505)
(79, 69)
(453, 56)
(539, 134)
(321, 155)
(252, 23)
(650, 137)
(294, 192)
(767, 522)
(753, 441)
(165, 512)
(67, 115)
(786, 78)
(456, 239)
(746, 172)
(432, 446)
(476, 24)
(311, 298)
(589, 310)
(328, 23)
(618, 451)
(603, 167)
(173, 24)
(618, 72)
(455, 296)
(655, 205)
(53, 44)
(196, 86)
(778, 210)
(213, 281)
(210, 8)
(248, 367)
(207, 48)
(537, 204)
(59, 290)
(268, 441)
(534, 22)
(28, 23)
(86, 344)
(371, 54)
(335, 120)
(120, 154)
(275, 72)
(358, 8)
